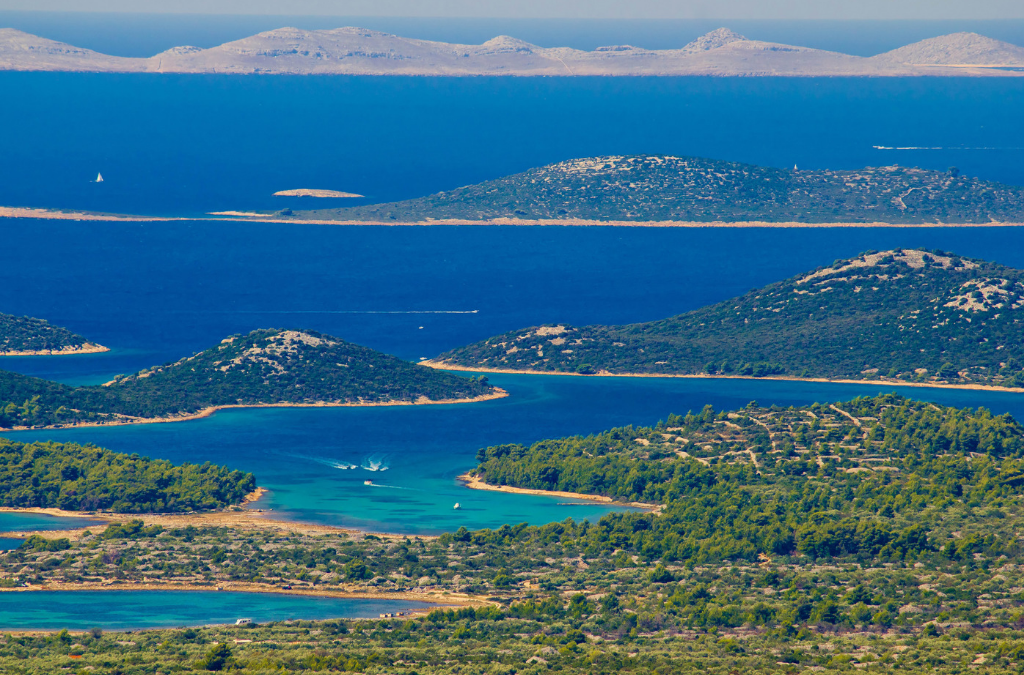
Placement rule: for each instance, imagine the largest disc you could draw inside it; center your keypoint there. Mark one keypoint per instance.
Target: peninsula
(268, 367)
(358, 51)
(77, 477)
(902, 316)
(28, 336)
(667, 190)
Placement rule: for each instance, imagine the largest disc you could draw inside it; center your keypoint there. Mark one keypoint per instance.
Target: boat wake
(326, 461)
(925, 147)
(375, 463)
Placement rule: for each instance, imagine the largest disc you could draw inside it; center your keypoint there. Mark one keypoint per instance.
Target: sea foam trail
(330, 311)
(957, 147)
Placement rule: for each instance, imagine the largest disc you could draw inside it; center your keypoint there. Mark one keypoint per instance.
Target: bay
(158, 292)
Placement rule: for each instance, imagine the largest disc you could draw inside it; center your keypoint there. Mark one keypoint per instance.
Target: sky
(547, 9)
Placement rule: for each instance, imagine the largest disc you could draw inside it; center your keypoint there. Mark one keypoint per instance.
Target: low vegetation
(27, 334)
(643, 188)
(875, 534)
(86, 478)
(899, 315)
(262, 367)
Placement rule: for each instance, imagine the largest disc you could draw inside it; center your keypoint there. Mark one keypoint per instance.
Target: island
(359, 51)
(28, 336)
(670, 190)
(307, 192)
(74, 477)
(268, 367)
(900, 316)
(867, 535)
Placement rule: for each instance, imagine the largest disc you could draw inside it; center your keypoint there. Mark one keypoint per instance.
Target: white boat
(367, 482)
(99, 177)
(457, 506)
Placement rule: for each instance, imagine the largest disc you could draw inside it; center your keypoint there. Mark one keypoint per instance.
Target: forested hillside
(873, 477)
(641, 188)
(899, 315)
(264, 367)
(86, 478)
(24, 334)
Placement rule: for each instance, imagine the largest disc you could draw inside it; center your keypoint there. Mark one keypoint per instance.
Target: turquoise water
(26, 522)
(129, 610)
(157, 292)
(29, 522)
(301, 454)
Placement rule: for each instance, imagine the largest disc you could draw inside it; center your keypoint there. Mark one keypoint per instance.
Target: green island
(899, 316)
(874, 534)
(25, 335)
(264, 367)
(660, 188)
(87, 478)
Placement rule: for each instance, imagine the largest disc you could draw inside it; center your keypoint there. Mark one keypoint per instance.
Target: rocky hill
(644, 188)
(265, 367)
(358, 51)
(956, 50)
(900, 316)
(24, 335)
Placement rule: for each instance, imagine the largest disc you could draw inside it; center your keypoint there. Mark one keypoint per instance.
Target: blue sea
(186, 145)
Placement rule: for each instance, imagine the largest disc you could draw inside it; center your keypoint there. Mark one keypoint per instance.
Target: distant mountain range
(358, 51)
(666, 188)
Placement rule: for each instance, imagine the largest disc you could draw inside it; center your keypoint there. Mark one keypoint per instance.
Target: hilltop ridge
(359, 51)
(898, 316)
(264, 367)
(660, 188)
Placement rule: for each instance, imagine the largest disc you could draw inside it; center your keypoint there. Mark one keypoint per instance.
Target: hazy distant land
(358, 51)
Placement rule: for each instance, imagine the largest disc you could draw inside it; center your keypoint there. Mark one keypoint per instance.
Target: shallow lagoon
(130, 610)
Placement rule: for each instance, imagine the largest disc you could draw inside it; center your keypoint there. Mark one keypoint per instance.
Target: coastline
(473, 483)
(446, 600)
(242, 519)
(237, 216)
(449, 600)
(87, 348)
(53, 214)
(206, 412)
(441, 365)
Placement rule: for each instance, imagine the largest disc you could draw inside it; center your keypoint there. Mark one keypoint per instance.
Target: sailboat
(99, 177)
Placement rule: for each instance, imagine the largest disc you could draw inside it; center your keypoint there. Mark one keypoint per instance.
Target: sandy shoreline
(52, 214)
(440, 365)
(243, 216)
(233, 517)
(87, 348)
(472, 482)
(206, 412)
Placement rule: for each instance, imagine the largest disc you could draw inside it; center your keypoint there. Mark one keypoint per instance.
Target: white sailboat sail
(99, 177)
